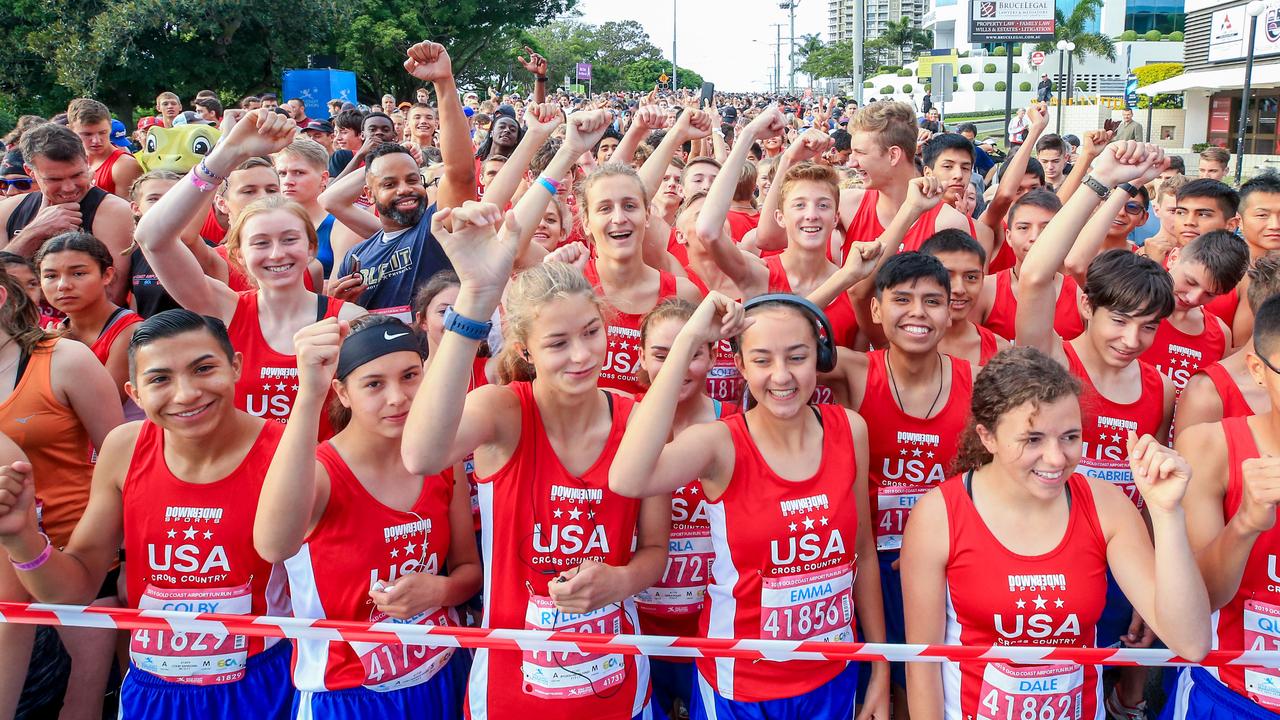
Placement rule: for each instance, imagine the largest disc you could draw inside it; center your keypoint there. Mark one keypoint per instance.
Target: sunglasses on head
(23, 184)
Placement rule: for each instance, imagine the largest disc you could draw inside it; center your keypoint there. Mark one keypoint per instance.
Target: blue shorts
(671, 681)
(895, 624)
(439, 698)
(1200, 696)
(264, 693)
(1116, 615)
(833, 701)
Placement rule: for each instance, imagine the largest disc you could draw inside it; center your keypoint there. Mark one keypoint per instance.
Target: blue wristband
(465, 326)
(551, 186)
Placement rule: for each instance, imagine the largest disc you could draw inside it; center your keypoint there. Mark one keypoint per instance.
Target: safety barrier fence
(570, 642)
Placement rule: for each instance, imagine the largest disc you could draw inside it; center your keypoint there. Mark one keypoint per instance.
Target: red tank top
(724, 382)
(190, 548)
(909, 455)
(865, 225)
(673, 605)
(988, 345)
(102, 176)
(1179, 355)
(840, 313)
(212, 231)
(124, 319)
(478, 378)
(676, 248)
(1251, 621)
(741, 223)
(268, 381)
(344, 557)
(1002, 318)
(623, 360)
(784, 565)
(538, 520)
(1234, 403)
(1106, 425)
(1004, 257)
(998, 597)
(1225, 305)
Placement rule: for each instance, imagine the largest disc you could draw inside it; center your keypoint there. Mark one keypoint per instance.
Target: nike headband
(372, 342)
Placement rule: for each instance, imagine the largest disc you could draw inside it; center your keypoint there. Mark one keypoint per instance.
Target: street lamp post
(1071, 59)
(675, 82)
(1062, 48)
(791, 64)
(1254, 9)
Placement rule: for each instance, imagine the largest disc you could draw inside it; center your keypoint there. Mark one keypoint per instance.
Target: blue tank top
(324, 249)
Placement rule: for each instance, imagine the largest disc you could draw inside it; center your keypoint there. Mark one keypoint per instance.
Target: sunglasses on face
(23, 184)
(1133, 208)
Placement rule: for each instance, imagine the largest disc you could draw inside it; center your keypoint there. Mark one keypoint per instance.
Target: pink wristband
(201, 184)
(39, 559)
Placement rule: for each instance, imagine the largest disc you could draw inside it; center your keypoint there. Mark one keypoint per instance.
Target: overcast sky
(715, 36)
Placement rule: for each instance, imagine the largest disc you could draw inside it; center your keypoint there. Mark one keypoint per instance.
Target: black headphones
(826, 338)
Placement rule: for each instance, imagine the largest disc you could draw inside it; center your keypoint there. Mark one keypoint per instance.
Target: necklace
(898, 396)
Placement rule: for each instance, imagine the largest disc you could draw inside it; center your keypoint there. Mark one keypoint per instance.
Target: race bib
(193, 658)
(1049, 692)
(1116, 472)
(724, 382)
(566, 675)
(391, 667)
(1262, 632)
(809, 606)
(684, 582)
(893, 507)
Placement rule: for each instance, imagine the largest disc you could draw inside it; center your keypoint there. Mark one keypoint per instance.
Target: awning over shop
(1264, 76)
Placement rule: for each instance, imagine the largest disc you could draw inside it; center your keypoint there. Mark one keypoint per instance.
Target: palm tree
(809, 44)
(1072, 28)
(906, 39)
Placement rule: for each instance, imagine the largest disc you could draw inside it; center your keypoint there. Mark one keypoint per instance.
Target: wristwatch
(1092, 183)
(1129, 188)
(465, 326)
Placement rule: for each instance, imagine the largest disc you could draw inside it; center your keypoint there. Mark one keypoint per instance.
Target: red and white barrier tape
(569, 642)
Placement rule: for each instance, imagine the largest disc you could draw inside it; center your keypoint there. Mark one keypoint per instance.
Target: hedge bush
(999, 51)
(1017, 68)
(966, 69)
(1000, 86)
(1024, 87)
(904, 72)
(979, 86)
(989, 68)
(886, 90)
(1129, 35)
(1017, 49)
(867, 85)
(1151, 36)
(1176, 36)
(906, 89)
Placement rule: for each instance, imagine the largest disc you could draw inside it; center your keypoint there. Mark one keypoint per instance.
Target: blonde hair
(810, 172)
(265, 205)
(307, 150)
(608, 170)
(1170, 186)
(745, 190)
(166, 95)
(894, 124)
(528, 292)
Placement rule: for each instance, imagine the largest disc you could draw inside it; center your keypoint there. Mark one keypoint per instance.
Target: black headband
(372, 342)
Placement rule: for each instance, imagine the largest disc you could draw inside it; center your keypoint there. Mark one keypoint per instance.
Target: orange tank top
(55, 442)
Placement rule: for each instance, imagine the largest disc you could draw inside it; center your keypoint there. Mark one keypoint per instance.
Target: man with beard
(402, 253)
(56, 159)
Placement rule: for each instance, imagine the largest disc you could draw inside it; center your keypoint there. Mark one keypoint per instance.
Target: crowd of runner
(768, 368)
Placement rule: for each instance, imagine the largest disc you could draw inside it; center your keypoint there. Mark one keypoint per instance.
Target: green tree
(621, 54)
(1073, 28)
(808, 45)
(905, 40)
(376, 33)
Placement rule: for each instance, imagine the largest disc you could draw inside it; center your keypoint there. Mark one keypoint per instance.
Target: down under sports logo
(1273, 24)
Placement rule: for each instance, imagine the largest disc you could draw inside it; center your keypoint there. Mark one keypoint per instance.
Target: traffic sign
(584, 71)
(1037, 58)
(663, 78)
